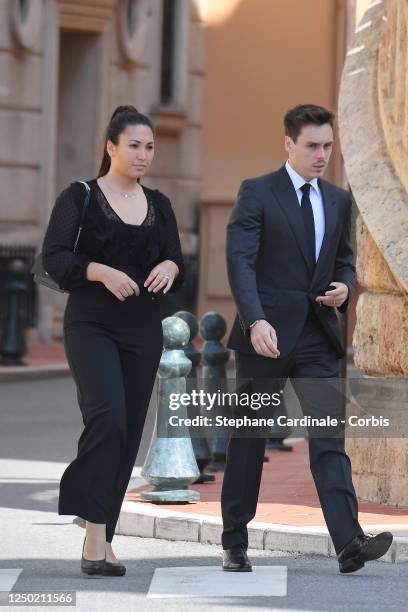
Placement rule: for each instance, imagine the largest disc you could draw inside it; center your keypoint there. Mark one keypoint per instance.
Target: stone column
(373, 116)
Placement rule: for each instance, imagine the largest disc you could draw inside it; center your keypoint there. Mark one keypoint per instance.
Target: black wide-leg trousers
(113, 350)
(313, 358)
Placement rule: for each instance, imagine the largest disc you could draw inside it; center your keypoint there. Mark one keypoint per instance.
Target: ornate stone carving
(373, 116)
(134, 17)
(393, 85)
(25, 21)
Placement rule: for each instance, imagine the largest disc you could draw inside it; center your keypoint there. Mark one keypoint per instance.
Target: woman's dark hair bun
(124, 109)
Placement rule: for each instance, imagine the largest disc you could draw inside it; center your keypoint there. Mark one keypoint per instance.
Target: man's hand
(335, 297)
(264, 340)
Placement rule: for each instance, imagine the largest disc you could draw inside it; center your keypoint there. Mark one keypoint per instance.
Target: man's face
(310, 154)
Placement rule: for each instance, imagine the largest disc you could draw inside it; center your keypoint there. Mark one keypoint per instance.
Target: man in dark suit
(290, 265)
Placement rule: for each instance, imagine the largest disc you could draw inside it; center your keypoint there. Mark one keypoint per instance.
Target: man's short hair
(305, 114)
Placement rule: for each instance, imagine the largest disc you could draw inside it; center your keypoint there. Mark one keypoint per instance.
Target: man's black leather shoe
(236, 560)
(361, 549)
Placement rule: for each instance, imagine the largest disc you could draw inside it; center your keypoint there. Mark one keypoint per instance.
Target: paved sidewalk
(288, 518)
(42, 361)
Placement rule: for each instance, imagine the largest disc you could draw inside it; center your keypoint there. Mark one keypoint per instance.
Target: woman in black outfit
(128, 252)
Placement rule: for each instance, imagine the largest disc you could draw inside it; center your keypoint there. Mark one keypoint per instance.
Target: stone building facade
(217, 77)
(64, 66)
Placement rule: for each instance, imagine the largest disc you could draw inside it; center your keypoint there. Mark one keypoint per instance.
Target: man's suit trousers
(313, 357)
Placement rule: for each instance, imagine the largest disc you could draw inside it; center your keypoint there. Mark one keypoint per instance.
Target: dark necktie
(308, 223)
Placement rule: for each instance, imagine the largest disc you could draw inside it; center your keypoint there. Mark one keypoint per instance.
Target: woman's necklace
(125, 195)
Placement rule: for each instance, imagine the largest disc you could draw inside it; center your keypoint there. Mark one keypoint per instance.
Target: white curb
(148, 521)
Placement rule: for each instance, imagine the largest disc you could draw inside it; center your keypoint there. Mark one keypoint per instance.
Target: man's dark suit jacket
(268, 269)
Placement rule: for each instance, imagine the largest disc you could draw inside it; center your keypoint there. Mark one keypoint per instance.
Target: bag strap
(85, 206)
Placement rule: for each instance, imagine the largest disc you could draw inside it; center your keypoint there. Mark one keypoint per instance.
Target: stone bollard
(199, 441)
(214, 356)
(13, 344)
(170, 464)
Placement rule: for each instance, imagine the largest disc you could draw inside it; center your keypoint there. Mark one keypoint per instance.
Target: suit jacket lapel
(330, 218)
(286, 196)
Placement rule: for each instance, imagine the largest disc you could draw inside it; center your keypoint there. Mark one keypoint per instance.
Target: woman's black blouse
(107, 239)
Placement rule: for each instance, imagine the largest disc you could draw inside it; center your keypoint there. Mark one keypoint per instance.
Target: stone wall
(373, 116)
(65, 65)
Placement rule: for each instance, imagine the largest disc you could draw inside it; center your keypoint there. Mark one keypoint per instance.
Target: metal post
(201, 447)
(170, 464)
(13, 344)
(214, 358)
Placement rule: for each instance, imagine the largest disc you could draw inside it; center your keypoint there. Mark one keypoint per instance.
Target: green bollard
(200, 443)
(170, 464)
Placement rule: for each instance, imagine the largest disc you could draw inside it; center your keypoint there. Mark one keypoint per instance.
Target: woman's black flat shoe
(91, 567)
(114, 569)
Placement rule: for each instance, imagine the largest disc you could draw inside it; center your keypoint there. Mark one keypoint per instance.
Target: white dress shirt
(316, 200)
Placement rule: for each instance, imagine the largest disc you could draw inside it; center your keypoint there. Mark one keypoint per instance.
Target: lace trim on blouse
(111, 214)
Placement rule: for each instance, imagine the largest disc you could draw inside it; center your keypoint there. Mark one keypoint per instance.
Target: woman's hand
(162, 276)
(117, 282)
